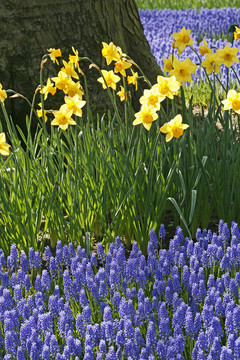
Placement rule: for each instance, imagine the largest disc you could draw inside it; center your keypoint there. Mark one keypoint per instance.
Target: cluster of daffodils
(151, 99)
(212, 62)
(113, 53)
(68, 82)
(4, 147)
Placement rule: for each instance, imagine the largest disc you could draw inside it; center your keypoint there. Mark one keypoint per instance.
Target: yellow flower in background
(133, 79)
(237, 33)
(75, 104)
(168, 63)
(174, 128)
(227, 55)
(110, 52)
(110, 78)
(62, 80)
(182, 70)
(73, 88)
(145, 116)
(74, 59)
(48, 89)
(212, 63)
(204, 49)
(121, 66)
(182, 39)
(232, 101)
(167, 87)
(62, 117)
(40, 114)
(121, 94)
(150, 98)
(3, 94)
(54, 53)
(68, 69)
(4, 147)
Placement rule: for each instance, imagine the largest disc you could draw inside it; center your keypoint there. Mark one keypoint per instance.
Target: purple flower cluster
(180, 303)
(209, 24)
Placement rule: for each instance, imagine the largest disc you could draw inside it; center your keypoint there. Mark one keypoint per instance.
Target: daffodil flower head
(48, 89)
(74, 59)
(63, 117)
(168, 63)
(174, 128)
(227, 55)
(212, 63)
(121, 66)
(182, 70)
(146, 116)
(75, 104)
(151, 98)
(40, 112)
(68, 69)
(111, 52)
(167, 87)
(73, 88)
(204, 49)
(237, 33)
(232, 101)
(62, 80)
(122, 94)
(4, 147)
(3, 94)
(108, 79)
(133, 79)
(182, 39)
(54, 53)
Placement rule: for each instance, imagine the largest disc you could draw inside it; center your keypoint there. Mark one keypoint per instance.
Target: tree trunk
(30, 27)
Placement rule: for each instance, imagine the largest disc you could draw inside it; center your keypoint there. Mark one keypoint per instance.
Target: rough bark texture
(30, 27)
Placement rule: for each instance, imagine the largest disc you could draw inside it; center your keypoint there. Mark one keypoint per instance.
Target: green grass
(181, 4)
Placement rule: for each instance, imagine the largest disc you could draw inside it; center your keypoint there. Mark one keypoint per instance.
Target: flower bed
(210, 24)
(181, 303)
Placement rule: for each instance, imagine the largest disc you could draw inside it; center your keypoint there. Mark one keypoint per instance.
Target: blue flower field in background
(181, 303)
(209, 24)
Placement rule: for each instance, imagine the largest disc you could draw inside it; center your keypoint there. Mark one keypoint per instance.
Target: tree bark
(30, 27)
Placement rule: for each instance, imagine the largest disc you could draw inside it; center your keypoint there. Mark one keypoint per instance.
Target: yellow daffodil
(151, 98)
(40, 114)
(182, 70)
(167, 87)
(168, 63)
(237, 33)
(48, 89)
(122, 94)
(3, 94)
(62, 117)
(182, 39)
(75, 104)
(174, 128)
(145, 116)
(110, 52)
(74, 59)
(121, 66)
(212, 63)
(54, 53)
(62, 80)
(232, 101)
(73, 88)
(133, 79)
(4, 147)
(110, 79)
(69, 69)
(227, 55)
(204, 49)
